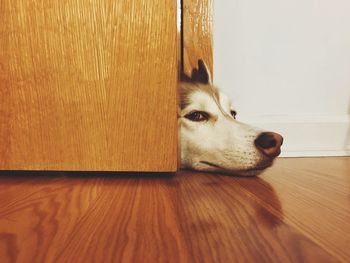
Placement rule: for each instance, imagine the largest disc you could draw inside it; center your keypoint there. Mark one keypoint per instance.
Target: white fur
(222, 141)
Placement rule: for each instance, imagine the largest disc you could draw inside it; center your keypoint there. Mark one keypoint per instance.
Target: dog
(212, 139)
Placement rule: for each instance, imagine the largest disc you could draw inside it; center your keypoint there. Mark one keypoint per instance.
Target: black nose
(269, 143)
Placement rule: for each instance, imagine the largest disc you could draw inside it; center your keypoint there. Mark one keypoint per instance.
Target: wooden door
(197, 34)
(88, 85)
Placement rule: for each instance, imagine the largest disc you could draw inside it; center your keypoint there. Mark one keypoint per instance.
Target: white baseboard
(308, 135)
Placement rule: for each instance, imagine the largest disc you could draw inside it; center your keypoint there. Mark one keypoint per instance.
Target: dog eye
(197, 116)
(233, 113)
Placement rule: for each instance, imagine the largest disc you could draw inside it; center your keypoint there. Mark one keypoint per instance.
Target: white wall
(286, 64)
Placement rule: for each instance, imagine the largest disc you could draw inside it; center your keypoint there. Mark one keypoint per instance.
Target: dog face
(211, 137)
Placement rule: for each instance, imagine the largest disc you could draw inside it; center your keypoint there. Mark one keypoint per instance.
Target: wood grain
(297, 211)
(88, 85)
(197, 33)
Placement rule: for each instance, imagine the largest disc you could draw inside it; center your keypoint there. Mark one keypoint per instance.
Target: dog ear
(202, 74)
(185, 78)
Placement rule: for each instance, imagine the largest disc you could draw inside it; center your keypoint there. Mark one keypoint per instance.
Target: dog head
(211, 137)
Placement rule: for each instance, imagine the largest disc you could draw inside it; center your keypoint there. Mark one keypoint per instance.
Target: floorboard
(297, 211)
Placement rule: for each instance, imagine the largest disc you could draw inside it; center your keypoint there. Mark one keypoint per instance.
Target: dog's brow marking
(217, 101)
(214, 93)
(188, 88)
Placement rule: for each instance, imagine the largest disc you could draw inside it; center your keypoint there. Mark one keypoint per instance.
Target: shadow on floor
(85, 174)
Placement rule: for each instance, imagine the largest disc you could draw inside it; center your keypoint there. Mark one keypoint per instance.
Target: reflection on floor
(297, 211)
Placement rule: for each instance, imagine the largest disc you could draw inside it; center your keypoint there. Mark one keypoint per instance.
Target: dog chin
(253, 171)
(248, 172)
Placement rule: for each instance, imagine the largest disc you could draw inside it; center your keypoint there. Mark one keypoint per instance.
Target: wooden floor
(298, 211)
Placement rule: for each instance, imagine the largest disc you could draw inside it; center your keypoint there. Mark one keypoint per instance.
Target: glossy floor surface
(297, 211)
